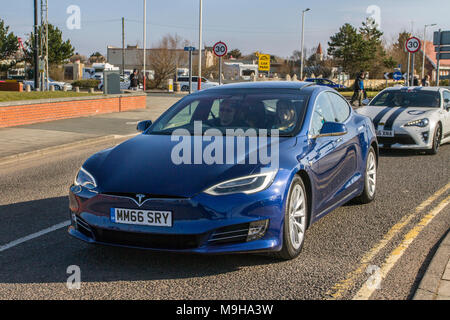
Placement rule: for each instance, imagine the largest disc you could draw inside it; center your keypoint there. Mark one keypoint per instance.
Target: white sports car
(411, 117)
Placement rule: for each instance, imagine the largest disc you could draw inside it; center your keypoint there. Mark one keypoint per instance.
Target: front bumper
(203, 224)
(414, 138)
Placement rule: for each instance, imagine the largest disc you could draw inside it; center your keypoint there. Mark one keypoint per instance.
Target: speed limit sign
(413, 45)
(220, 49)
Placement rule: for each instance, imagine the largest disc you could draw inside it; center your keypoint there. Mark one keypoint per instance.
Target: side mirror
(143, 125)
(331, 129)
(366, 102)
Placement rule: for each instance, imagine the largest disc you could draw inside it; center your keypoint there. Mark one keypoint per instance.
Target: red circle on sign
(220, 49)
(413, 44)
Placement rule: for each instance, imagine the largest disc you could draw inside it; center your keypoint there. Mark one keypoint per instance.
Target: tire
(436, 140)
(370, 179)
(295, 220)
(185, 88)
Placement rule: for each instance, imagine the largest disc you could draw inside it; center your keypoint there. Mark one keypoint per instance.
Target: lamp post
(303, 39)
(145, 44)
(425, 46)
(199, 79)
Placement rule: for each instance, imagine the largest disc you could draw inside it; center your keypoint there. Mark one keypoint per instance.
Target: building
(134, 57)
(431, 63)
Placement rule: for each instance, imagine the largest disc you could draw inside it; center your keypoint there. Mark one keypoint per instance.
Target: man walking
(358, 94)
(134, 80)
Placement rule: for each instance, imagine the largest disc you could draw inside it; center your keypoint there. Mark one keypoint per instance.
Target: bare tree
(165, 59)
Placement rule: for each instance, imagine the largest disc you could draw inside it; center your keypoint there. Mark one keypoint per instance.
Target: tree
(347, 47)
(97, 57)
(8, 47)
(8, 42)
(166, 58)
(235, 53)
(400, 56)
(59, 51)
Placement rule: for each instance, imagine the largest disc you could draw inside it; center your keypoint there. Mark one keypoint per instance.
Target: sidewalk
(24, 140)
(435, 284)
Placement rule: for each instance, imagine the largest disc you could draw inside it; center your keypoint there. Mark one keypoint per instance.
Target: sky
(266, 26)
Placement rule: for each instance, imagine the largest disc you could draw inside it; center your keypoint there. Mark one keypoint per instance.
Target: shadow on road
(46, 259)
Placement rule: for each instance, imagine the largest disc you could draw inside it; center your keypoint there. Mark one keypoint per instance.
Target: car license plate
(141, 217)
(385, 133)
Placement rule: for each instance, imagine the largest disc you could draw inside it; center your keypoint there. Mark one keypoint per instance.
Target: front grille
(404, 139)
(148, 240)
(231, 234)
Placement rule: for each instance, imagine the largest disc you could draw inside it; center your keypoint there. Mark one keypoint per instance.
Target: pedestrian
(358, 88)
(426, 81)
(134, 81)
(416, 81)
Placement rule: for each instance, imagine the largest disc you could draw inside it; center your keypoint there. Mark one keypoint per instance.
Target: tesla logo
(140, 197)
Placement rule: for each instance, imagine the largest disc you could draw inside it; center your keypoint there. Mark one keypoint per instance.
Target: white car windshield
(407, 99)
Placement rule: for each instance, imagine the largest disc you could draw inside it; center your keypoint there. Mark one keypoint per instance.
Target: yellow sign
(264, 62)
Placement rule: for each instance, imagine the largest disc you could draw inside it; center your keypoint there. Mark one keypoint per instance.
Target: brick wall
(16, 115)
(11, 86)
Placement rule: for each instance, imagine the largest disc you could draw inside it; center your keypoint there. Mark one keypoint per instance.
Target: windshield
(407, 99)
(254, 110)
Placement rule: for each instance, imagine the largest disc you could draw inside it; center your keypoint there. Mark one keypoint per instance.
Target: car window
(407, 99)
(183, 79)
(183, 117)
(340, 107)
(446, 97)
(323, 112)
(237, 110)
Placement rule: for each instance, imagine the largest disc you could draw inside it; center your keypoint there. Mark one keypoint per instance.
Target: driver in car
(228, 111)
(286, 116)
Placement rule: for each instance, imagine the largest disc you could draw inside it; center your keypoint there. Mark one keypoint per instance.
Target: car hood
(406, 115)
(144, 165)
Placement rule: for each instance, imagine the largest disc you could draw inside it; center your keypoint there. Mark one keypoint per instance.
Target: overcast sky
(250, 25)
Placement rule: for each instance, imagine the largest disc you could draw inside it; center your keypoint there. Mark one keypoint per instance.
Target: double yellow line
(342, 287)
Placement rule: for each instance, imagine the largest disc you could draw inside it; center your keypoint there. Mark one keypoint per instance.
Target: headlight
(418, 123)
(85, 179)
(248, 185)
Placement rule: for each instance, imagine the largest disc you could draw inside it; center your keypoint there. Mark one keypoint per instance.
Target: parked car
(206, 84)
(411, 117)
(59, 85)
(148, 193)
(326, 82)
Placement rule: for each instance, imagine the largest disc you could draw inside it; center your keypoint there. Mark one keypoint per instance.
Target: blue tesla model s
(245, 167)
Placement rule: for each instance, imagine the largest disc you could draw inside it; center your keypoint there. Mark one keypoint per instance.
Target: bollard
(91, 90)
(288, 77)
(76, 89)
(64, 89)
(52, 88)
(28, 88)
(294, 78)
(177, 87)
(170, 85)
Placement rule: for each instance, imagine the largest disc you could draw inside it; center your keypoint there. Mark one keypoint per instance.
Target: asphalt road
(333, 263)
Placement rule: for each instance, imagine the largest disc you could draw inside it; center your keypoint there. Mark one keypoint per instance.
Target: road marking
(339, 289)
(366, 291)
(34, 236)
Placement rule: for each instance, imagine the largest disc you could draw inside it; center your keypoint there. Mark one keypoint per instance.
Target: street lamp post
(303, 39)
(199, 79)
(145, 45)
(424, 46)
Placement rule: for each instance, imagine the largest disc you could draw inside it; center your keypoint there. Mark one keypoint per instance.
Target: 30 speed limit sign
(413, 45)
(220, 49)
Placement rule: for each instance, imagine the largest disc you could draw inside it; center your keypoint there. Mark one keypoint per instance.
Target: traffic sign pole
(220, 49)
(220, 71)
(412, 45)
